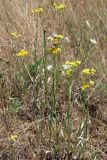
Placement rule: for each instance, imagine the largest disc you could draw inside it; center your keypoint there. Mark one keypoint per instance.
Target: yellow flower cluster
(73, 63)
(70, 66)
(56, 38)
(88, 71)
(59, 7)
(22, 53)
(55, 50)
(59, 36)
(15, 34)
(91, 82)
(37, 10)
(13, 137)
(68, 72)
(87, 85)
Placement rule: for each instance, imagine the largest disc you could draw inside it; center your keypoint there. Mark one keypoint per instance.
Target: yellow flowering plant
(70, 66)
(22, 53)
(73, 63)
(59, 36)
(15, 34)
(56, 38)
(59, 7)
(37, 10)
(13, 137)
(68, 72)
(88, 71)
(85, 86)
(55, 50)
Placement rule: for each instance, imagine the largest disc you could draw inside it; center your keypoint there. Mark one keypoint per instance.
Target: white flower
(54, 34)
(93, 41)
(66, 66)
(50, 38)
(49, 67)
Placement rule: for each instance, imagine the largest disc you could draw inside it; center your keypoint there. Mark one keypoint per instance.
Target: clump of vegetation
(53, 93)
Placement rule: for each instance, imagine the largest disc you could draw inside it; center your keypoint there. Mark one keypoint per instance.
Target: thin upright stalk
(85, 135)
(45, 66)
(44, 105)
(85, 127)
(53, 112)
(55, 90)
(70, 84)
(36, 39)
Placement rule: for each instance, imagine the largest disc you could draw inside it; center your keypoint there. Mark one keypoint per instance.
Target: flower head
(68, 72)
(22, 53)
(13, 137)
(91, 82)
(78, 62)
(66, 66)
(88, 71)
(37, 10)
(73, 63)
(69, 67)
(55, 50)
(15, 34)
(93, 41)
(56, 38)
(49, 67)
(59, 7)
(85, 86)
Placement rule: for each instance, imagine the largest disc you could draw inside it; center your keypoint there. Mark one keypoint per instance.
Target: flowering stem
(54, 88)
(70, 84)
(36, 39)
(45, 66)
(59, 24)
(53, 108)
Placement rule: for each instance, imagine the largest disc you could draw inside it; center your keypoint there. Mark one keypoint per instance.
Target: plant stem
(70, 84)
(36, 40)
(45, 67)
